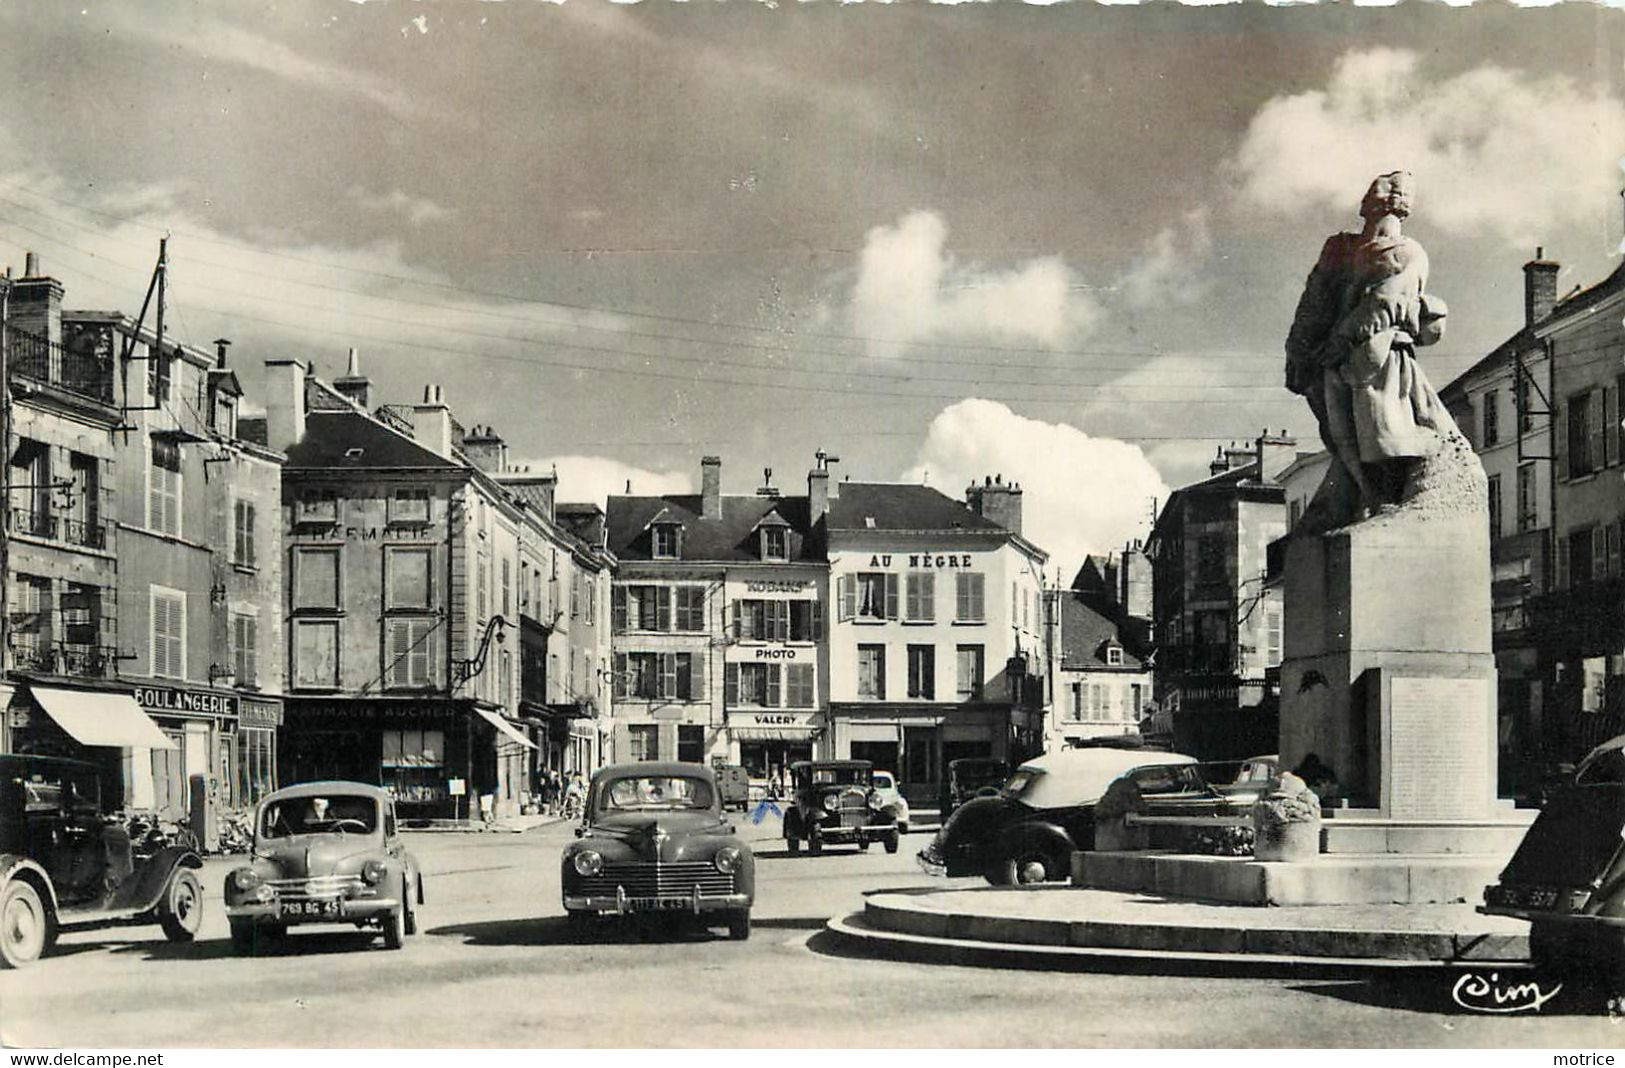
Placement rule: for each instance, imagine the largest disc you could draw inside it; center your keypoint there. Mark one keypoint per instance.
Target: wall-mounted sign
(259, 712)
(187, 702)
(920, 561)
(771, 654)
(456, 787)
(412, 533)
(368, 711)
(772, 719)
(779, 586)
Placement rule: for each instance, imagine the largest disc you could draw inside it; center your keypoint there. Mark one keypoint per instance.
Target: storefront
(256, 749)
(203, 726)
(442, 759)
(105, 727)
(767, 743)
(917, 741)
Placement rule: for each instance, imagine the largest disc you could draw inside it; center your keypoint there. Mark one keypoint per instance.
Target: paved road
(494, 968)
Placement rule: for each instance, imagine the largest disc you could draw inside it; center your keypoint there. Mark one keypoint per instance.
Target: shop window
(409, 653)
(409, 573)
(256, 764)
(643, 741)
(414, 765)
(969, 661)
(872, 672)
(164, 488)
(920, 605)
(317, 506)
(244, 545)
(922, 672)
(970, 598)
(408, 507)
(316, 579)
(168, 633)
(316, 653)
(245, 627)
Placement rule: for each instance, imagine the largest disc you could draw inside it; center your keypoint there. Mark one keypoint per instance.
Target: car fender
(792, 822)
(15, 865)
(145, 888)
(1042, 835)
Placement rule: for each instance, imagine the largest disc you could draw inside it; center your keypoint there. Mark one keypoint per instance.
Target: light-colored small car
(325, 852)
(885, 797)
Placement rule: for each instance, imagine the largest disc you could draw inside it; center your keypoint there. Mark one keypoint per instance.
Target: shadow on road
(555, 931)
(304, 944)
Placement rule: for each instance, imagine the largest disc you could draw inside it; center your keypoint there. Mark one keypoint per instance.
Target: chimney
(431, 422)
(1134, 582)
(997, 500)
(284, 403)
(354, 384)
(36, 304)
(1219, 464)
(710, 487)
(819, 489)
(1275, 453)
(1539, 288)
(485, 447)
(221, 344)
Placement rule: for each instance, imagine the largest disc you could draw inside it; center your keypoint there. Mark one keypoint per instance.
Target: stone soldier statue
(1351, 353)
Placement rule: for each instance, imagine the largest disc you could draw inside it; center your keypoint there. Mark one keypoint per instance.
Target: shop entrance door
(920, 759)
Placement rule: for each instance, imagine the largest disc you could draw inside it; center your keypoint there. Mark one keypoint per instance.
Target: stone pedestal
(1388, 675)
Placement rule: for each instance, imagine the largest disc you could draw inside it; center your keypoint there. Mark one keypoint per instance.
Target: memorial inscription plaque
(1437, 758)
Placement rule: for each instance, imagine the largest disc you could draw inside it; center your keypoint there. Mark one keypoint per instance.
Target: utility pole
(5, 479)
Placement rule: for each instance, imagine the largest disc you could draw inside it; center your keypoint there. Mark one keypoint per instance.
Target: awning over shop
(96, 718)
(504, 727)
(775, 734)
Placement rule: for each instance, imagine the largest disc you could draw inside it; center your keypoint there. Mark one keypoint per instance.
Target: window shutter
(848, 598)
(914, 670)
(738, 625)
(891, 596)
(774, 690)
(618, 608)
(620, 674)
(783, 620)
(251, 628)
(668, 675)
(662, 607)
(817, 633)
(696, 677)
(730, 684)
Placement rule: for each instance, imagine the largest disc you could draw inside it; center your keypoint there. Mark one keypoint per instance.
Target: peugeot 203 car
(653, 839)
(835, 801)
(65, 863)
(328, 853)
(1028, 832)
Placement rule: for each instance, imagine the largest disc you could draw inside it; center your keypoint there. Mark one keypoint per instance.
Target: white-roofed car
(885, 797)
(1042, 814)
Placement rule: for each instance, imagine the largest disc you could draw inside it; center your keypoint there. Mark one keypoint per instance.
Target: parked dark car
(653, 839)
(970, 777)
(65, 864)
(1044, 813)
(1567, 876)
(329, 853)
(733, 781)
(835, 801)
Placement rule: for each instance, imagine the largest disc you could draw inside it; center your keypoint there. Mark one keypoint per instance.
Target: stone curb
(890, 915)
(852, 933)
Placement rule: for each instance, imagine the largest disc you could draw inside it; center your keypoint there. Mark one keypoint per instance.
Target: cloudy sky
(1059, 243)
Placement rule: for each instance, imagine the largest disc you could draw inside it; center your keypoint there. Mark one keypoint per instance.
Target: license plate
(1540, 897)
(322, 908)
(659, 904)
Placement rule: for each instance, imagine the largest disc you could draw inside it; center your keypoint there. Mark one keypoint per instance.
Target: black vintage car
(1043, 813)
(970, 777)
(835, 801)
(1567, 876)
(654, 840)
(65, 864)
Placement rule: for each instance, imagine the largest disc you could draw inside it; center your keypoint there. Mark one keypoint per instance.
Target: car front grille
(854, 815)
(678, 879)
(317, 886)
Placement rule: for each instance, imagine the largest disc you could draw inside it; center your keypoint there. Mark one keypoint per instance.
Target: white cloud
(910, 289)
(1494, 151)
(1080, 494)
(594, 478)
(1170, 270)
(418, 210)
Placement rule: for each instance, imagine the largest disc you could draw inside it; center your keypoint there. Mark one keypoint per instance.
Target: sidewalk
(1062, 926)
(508, 825)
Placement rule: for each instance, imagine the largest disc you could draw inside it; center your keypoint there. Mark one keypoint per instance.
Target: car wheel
(411, 913)
(24, 925)
(893, 840)
(863, 845)
(243, 936)
(181, 911)
(578, 925)
(739, 925)
(902, 828)
(794, 845)
(1029, 869)
(395, 928)
(815, 842)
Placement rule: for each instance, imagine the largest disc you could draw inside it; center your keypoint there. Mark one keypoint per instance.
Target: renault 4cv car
(1567, 876)
(1043, 814)
(653, 839)
(329, 853)
(835, 801)
(65, 863)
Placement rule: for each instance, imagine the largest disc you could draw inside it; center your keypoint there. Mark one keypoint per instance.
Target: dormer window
(664, 539)
(1114, 656)
(775, 543)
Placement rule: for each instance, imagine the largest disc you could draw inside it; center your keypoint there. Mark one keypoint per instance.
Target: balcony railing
(87, 374)
(60, 658)
(88, 533)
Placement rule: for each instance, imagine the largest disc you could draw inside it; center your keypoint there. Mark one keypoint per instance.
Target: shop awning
(96, 718)
(504, 727)
(775, 734)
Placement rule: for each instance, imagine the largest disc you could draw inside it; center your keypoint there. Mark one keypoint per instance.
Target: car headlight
(245, 879)
(588, 862)
(877, 802)
(727, 859)
(373, 871)
(832, 802)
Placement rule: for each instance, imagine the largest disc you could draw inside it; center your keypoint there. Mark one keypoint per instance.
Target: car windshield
(840, 776)
(975, 775)
(331, 813)
(1021, 782)
(882, 781)
(640, 793)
